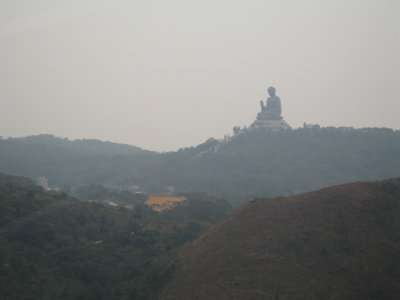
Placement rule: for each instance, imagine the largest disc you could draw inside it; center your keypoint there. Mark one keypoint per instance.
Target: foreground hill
(341, 242)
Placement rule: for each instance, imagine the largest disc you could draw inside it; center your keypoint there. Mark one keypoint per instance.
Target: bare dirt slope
(341, 242)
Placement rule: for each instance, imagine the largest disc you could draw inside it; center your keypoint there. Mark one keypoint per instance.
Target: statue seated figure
(272, 111)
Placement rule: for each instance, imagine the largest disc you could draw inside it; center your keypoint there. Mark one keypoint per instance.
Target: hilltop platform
(273, 125)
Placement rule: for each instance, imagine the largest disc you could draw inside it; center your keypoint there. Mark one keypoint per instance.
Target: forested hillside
(337, 243)
(60, 160)
(259, 163)
(247, 165)
(56, 247)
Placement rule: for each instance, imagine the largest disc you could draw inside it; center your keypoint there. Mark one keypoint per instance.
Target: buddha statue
(272, 109)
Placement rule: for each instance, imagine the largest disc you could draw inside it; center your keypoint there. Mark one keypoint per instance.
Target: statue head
(271, 91)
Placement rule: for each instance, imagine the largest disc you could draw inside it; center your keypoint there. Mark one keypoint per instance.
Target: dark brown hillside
(341, 242)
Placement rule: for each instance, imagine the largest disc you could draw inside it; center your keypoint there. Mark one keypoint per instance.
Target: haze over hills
(49, 142)
(164, 74)
(96, 220)
(54, 157)
(252, 163)
(341, 242)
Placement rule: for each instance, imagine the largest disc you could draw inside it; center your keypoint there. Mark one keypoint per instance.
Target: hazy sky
(163, 75)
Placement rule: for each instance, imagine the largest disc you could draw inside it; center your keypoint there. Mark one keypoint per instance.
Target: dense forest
(247, 165)
(53, 246)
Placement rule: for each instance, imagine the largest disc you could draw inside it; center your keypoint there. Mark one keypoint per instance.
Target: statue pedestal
(273, 125)
(269, 118)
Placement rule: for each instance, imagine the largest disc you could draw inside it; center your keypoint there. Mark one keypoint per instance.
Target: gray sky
(163, 75)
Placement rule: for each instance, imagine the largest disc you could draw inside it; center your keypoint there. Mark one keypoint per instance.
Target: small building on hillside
(42, 181)
(162, 202)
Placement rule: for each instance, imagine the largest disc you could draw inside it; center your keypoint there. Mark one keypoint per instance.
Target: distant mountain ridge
(259, 163)
(341, 242)
(83, 146)
(253, 163)
(55, 158)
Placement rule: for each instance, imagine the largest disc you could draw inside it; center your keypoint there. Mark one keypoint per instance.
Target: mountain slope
(259, 163)
(248, 165)
(341, 242)
(62, 161)
(87, 146)
(56, 247)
